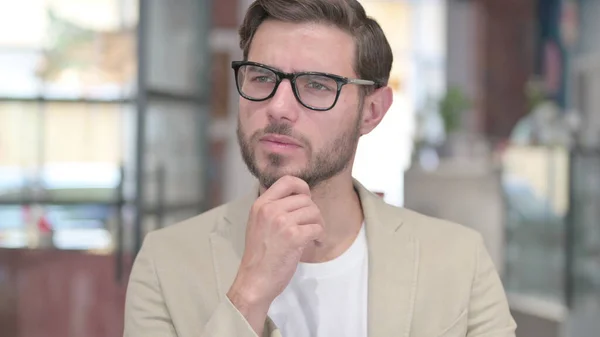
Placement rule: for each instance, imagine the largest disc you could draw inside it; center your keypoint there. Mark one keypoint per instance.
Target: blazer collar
(393, 267)
(393, 261)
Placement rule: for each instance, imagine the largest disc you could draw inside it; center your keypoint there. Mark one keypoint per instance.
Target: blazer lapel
(227, 243)
(393, 267)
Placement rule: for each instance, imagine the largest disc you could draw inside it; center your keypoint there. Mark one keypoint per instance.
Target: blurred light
(429, 159)
(100, 15)
(82, 239)
(22, 23)
(11, 177)
(13, 239)
(80, 175)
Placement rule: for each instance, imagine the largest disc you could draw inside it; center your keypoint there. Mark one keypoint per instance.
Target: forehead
(295, 47)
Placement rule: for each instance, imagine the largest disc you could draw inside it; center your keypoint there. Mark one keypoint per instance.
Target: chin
(279, 171)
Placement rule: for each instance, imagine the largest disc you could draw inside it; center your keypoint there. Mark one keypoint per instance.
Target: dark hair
(373, 54)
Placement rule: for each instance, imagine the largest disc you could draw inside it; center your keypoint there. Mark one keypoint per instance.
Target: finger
(284, 187)
(292, 203)
(311, 232)
(306, 215)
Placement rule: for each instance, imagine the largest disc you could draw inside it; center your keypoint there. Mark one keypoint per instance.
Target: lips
(280, 140)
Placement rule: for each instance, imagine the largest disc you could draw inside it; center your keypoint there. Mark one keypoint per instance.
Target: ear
(375, 107)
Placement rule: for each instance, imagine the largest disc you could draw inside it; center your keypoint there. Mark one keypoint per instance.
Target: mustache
(282, 129)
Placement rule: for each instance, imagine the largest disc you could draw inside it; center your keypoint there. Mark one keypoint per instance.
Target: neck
(342, 212)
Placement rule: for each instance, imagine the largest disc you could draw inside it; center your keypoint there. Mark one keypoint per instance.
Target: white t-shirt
(326, 299)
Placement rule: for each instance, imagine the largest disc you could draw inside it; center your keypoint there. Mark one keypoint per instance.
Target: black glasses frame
(339, 80)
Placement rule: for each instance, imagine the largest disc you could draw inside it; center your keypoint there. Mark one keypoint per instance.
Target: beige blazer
(427, 277)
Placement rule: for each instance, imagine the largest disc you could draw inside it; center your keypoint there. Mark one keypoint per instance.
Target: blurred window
(68, 69)
(535, 187)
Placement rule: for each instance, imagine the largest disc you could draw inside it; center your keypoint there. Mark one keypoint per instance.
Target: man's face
(281, 137)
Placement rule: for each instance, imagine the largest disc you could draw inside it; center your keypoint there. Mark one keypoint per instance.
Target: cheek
(244, 109)
(252, 109)
(340, 119)
(321, 131)
(248, 118)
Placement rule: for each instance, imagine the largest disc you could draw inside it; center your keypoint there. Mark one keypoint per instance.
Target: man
(311, 252)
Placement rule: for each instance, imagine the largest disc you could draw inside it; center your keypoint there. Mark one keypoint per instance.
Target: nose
(283, 105)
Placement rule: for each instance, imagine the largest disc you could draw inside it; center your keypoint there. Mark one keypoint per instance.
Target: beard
(328, 162)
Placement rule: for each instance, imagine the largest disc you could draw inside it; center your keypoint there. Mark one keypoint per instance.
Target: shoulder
(186, 238)
(435, 230)
(424, 228)
(198, 226)
(429, 231)
(441, 241)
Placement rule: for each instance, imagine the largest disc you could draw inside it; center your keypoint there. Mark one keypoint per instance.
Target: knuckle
(256, 208)
(281, 220)
(285, 180)
(265, 210)
(302, 183)
(315, 213)
(320, 230)
(305, 199)
(317, 230)
(292, 180)
(289, 233)
(314, 208)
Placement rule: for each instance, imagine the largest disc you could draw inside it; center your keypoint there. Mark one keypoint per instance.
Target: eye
(317, 83)
(263, 79)
(317, 86)
(256, 74)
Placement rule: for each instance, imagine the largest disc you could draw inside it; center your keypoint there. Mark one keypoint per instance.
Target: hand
(282, 222)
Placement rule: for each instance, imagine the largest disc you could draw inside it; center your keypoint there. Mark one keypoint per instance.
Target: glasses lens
(256, 82)
(317, 91)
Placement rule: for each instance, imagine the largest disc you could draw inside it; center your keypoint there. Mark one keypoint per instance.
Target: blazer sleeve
(489, 313)
(147, 315)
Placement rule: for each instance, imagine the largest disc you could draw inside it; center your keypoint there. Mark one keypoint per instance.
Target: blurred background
(117, 117)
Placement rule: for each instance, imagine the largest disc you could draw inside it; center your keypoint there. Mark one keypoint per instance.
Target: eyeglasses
(314, 90)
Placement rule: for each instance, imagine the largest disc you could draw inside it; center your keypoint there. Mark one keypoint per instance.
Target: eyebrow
(258, 69)
(268, 65)
(310, 71)
(294, 70)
